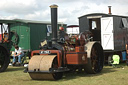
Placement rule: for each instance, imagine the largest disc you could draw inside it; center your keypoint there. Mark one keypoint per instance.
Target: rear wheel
(95, 57)
(4, 58)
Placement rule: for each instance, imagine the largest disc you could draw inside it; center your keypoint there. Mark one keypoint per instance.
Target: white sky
(68, 10)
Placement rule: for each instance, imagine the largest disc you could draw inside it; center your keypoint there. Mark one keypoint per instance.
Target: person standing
(127, 53)
(18, 53)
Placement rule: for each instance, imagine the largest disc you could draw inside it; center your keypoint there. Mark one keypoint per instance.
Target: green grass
(108, 76)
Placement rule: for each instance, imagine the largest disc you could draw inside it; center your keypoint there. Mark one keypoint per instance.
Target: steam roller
(65, 53)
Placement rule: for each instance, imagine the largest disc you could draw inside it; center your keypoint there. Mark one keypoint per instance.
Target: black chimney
(54, 22)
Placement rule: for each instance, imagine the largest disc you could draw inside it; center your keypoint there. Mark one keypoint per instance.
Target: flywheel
(4, 58)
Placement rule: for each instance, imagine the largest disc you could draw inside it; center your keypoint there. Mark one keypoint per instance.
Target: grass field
(108, 76)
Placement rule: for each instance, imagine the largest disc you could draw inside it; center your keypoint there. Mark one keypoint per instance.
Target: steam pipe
(54, 22)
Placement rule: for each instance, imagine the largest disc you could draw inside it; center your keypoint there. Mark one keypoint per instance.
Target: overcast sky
(68, 10)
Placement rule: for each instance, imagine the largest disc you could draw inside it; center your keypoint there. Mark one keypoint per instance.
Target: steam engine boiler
(63, 53)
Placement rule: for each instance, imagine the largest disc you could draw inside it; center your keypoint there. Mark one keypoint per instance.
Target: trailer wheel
(127, 62)
(110, 60)
(4, 58)
(95, 57)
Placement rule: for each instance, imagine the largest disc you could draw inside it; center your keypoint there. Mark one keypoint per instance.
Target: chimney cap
(54, 6)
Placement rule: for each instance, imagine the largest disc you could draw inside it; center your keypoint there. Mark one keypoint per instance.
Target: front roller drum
(39, 65)
(95, 57)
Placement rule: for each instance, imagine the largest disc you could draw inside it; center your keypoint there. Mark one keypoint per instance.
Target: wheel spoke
(94, 58)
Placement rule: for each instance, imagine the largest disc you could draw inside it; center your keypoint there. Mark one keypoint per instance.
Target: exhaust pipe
(109, 10)
(54, 22)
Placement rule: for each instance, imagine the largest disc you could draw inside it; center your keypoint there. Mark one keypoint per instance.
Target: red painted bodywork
(75, 57)
(0, 37)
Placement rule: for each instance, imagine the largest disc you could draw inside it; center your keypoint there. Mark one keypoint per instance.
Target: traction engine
(64, 53)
